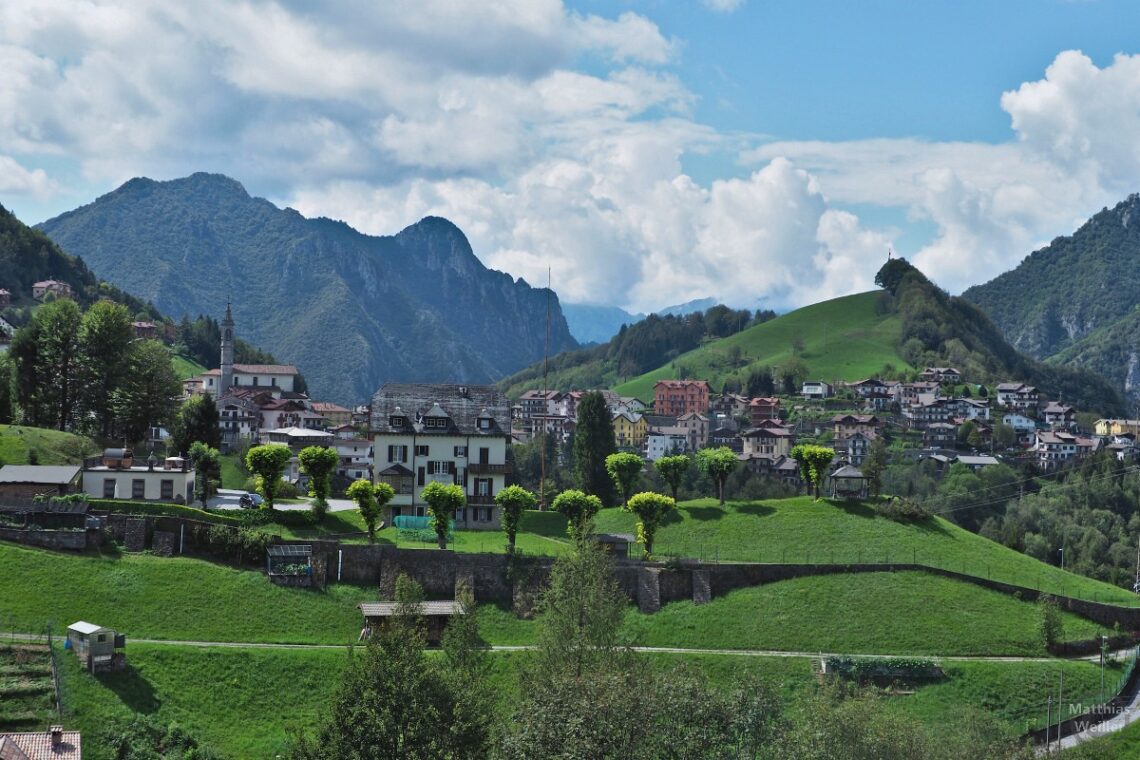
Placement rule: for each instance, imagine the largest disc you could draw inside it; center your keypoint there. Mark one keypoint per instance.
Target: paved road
(227, 498)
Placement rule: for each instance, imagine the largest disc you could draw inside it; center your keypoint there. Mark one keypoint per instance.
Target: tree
(443, 501)
(149, 393)
(593, 442)
(195, 420)
(813, 461)
(1050, 624)
(580, 508)
(624, 468)
(207, 471)
(1004, 436)
(965, 430)
(46, 355)
(649, 507)
(267, 463)
(105, 335)
(512, 501)
(370, 500)
(319, 463)
(7, 410)
(874, 464)
(983, 392)
(718, 464)
(394, 701)
(672, 470)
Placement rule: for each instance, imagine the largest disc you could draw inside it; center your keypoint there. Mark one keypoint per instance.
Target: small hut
(848, 482)
(617, 544)
(98, 648)
(436, 616)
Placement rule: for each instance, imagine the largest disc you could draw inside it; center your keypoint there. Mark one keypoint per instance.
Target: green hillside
(20, 444)
(186, 368)
(846, 338)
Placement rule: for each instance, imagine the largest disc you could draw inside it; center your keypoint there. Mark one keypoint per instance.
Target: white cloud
(17, 180)
(723, 6)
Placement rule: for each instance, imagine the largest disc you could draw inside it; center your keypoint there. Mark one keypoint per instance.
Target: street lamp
(1103, 651)
(1062, 550)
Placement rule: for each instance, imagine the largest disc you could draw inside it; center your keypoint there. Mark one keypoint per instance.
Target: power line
(991, 502)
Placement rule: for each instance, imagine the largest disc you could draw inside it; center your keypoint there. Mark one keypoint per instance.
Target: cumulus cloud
(17, 180)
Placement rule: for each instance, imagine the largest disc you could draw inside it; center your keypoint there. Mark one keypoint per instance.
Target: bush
(902, 510)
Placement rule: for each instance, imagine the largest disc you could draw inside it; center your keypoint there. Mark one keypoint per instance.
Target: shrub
(902, 510)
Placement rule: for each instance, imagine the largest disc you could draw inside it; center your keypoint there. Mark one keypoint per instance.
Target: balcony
(476, 468)
(480, 501)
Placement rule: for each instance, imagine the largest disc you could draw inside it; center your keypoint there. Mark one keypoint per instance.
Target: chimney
(56, 736)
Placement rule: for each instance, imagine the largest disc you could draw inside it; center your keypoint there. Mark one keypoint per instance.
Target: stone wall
(74, 540)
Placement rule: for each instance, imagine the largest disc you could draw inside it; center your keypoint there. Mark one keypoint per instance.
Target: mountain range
(351, 310)
(1074, 302)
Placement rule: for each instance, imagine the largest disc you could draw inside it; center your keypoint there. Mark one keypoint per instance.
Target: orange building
(677, 397)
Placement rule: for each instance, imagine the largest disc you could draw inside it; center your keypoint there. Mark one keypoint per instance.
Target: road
(227, 498)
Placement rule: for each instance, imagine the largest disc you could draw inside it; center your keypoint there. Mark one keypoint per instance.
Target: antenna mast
(545, 400)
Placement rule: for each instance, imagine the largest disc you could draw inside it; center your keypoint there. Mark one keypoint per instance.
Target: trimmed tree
(624, 468)
(383, 495)
(267, 462)
(580, 508)
(649, 507)
(718, 463)
(512, 500)
(593, 442)
(672, 470)
(365, 495)
(442, 502)
(208, 471)
(319, 463)
(813, 461)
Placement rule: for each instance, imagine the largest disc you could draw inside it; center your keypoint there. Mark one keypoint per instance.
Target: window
(167, 489)
(440, 467)
(460, 451)
(138, 489)
(482, 486)
(421, 451)
(397, 453)
(395, 422)
(109, 488)
(435, 422)
(484, 423)
(273, 382)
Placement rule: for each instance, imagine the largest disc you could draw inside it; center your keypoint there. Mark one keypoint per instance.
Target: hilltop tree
(593, 442)
(512, 501)
(875, 464)
(718, 464)
(443, 501)
(319, 463)
(267, 462)
(195, 420)
(580, 508)
(672, 470)
(649, 507)
(624, 468)
(813, 461)
(207, 469)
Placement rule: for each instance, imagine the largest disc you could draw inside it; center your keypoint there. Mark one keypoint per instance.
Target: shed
(20, 483)
(617, 544)
(96, 646)
(436, 615)
(848, 483)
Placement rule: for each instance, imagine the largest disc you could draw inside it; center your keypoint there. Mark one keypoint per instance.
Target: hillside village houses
(456, 434)
(44, 288)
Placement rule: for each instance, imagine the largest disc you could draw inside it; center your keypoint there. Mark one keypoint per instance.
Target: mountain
(689, 307)
(888, 333)
(1070, 288)
(596, 324)
(351, 310)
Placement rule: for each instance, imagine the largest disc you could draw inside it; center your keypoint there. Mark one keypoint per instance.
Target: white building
(664, 443)
(355, 458)
(454, 434)
(115, 475)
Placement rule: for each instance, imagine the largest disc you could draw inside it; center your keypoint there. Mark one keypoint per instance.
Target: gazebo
(436, 615)
(848, 482)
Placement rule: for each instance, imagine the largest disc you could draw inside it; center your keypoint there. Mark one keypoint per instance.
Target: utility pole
(545, 400)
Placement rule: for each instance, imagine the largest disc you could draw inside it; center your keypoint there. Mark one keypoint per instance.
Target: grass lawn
(232, 474)
(802, 530)
(50, 446)
(170, 598)
(877, 613)
(843, 339)
(1014, 693)
(185, 368)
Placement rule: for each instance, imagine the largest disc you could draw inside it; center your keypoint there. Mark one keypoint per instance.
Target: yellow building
(1117, 427)
(630, 430)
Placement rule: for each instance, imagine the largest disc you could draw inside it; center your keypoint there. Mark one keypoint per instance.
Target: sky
(648, 152)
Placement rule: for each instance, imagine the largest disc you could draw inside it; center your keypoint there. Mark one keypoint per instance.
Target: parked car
(251, 501)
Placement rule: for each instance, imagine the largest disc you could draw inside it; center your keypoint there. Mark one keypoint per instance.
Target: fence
(1048, 722)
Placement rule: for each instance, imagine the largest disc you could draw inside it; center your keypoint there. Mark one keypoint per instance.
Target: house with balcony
(696, 427)
(677, 397)
(1054, 448)
(763, 409)
(847, 425)
(630, 430)
(1059, 416)
(666, 442)
(816, 389)
(942, 375)
(453, 434)
(1018, 397)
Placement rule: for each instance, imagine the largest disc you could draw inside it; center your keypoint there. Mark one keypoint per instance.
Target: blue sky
(648, 152)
